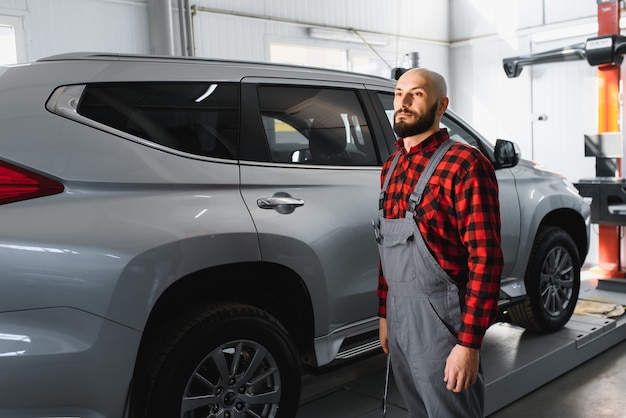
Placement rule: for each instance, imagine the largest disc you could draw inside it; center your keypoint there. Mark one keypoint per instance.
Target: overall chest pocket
(397, 249)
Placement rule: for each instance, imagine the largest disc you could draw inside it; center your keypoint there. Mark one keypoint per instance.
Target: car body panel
(65, 349)
(327, 239)
(509, 210)
(543, 192)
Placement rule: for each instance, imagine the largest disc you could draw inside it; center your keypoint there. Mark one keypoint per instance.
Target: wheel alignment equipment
(606, 51)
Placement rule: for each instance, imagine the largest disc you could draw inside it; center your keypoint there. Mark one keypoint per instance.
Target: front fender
(548, 199)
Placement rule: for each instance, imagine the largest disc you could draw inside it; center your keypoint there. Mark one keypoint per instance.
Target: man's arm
(479, 229)
(381, 292)
(478, 212)
(382, 334)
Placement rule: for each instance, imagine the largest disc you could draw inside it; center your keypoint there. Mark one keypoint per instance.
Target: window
(386, 99)
(312, 125)
(354, 60)
(309, 56)
(8, 48)
(12, 40)
(368, 64)
(198, 118)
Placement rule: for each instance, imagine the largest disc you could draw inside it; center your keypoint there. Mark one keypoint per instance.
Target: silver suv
(181, 237)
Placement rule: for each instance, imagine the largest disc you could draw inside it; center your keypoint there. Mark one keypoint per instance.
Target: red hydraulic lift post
(608, 121)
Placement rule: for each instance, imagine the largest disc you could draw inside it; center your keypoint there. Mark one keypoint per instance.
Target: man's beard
(421, 124)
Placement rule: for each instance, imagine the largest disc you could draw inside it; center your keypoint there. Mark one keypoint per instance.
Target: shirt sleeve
(478, 214)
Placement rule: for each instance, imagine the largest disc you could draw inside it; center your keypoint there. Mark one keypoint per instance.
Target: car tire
(228, 360)
(552, 283)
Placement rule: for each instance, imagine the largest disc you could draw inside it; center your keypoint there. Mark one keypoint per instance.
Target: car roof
(238, 68)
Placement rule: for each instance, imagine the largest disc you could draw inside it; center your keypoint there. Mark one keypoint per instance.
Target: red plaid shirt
(459, 218)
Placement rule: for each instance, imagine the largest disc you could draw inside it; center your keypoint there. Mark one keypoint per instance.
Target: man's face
(416, 124)
(415, 105)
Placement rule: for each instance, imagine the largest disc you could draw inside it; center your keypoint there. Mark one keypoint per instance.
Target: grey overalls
(423, 312)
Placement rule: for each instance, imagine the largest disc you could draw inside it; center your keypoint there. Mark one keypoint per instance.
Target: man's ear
(443, 105)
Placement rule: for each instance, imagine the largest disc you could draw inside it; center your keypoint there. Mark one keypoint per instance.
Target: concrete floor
(596, 388)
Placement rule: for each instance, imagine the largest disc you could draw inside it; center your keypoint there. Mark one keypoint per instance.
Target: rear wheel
(224, 361)
(552, 283)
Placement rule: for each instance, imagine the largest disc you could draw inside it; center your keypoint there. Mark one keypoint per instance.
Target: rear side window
(197, 118)
(315, 125)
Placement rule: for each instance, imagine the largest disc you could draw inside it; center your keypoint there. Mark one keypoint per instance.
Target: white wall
(243, 29)
(237, 29)
(483, 32)
(59, 26)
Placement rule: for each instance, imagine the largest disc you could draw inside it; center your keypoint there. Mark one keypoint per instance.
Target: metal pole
(386, 390)
(610, 239)
(182, 28)
(160, 27)
(191, 48)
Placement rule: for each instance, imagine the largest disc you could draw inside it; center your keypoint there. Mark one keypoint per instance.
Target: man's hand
(382, 334)
(461, 368)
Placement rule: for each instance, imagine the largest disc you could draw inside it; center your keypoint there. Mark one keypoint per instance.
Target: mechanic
(439, 242)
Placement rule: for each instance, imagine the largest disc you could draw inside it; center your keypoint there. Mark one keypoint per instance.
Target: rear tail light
(19, 184)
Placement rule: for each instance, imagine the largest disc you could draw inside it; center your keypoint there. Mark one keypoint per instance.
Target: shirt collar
(429, 144)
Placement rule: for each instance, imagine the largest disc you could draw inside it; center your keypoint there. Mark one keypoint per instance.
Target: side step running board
(358, 350)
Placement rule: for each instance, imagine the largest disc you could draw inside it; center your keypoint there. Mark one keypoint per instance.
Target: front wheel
(552, 283)
(229, 360)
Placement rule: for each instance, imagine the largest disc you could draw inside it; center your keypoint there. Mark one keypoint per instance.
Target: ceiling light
(343, 35)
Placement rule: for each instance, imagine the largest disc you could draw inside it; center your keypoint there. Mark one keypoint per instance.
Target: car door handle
(281, 202)
(274, 202)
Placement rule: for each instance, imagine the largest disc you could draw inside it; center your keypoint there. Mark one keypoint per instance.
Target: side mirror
(507, 154)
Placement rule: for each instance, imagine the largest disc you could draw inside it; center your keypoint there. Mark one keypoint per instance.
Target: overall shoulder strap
(381, 196)
(416, 196)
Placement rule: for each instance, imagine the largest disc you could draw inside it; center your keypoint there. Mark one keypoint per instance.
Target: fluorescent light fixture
(343, 35)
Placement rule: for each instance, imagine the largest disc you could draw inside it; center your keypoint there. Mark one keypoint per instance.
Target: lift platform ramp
(516, 362)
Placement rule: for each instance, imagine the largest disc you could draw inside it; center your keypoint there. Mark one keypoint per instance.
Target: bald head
(420, 100)
(430, 79)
